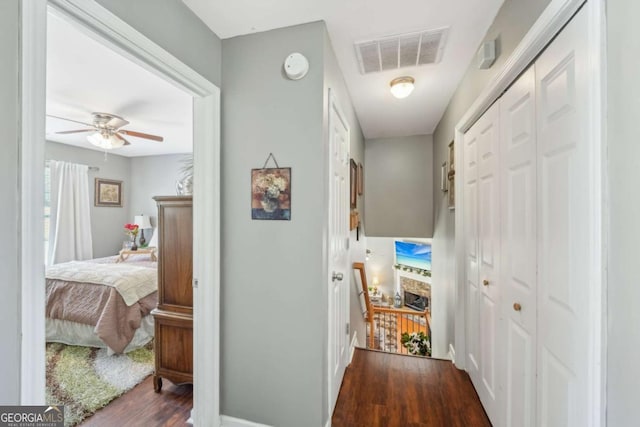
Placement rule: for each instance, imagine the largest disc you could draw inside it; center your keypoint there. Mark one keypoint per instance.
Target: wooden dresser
(174, 315)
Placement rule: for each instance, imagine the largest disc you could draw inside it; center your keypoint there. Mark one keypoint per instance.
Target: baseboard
(227, 421)
(190, 420)
(354, 344)
(452, 353)
(328, 424)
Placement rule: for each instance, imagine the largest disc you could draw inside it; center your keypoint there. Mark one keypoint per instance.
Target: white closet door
(565, 238)
(489, 256)
(518, 250)
(470, 195)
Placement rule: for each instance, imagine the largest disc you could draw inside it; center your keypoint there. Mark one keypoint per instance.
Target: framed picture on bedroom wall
(108, 193)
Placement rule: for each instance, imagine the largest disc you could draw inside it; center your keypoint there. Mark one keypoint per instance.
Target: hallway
(389, 390)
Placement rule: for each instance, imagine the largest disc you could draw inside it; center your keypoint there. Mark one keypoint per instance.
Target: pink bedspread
(101, 306)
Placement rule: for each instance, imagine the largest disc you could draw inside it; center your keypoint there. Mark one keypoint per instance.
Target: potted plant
(417, 343)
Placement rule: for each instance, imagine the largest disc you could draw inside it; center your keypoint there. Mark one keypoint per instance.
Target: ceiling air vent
(402, 50)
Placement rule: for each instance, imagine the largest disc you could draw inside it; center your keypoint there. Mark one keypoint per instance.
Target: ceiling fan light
(402, 87)
(107, 143)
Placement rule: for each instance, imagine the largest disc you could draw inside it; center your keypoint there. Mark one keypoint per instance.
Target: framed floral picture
(108, 193)
(271, 194)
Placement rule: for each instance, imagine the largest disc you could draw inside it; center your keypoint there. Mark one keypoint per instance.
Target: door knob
(337, 276)
(485, 282)
(517, 306)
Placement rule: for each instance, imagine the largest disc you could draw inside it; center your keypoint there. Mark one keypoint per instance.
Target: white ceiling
(351, 21)
(83, 76)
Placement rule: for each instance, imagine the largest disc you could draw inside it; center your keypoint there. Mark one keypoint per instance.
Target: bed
(102, 303)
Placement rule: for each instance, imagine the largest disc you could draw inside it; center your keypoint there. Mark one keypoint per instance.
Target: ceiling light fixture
(106, 140)
(402, 87)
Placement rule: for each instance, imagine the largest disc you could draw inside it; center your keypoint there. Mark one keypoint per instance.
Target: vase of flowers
(132, 230)
(417, 343)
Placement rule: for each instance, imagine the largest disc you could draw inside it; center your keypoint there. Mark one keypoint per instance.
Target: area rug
(85, 379)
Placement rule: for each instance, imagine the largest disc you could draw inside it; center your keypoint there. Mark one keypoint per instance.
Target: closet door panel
(471, 250)
(518, 249)
(564, 235)
(489, 255)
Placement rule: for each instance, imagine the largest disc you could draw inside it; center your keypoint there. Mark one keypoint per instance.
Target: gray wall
(333, 79)
(107, 223)
(9, 209)
(153, 176)
(512, 22)
(173, 26)
(399, 186)
(273, 309)
(624, 151)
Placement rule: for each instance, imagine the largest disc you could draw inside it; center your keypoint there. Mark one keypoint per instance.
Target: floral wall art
(271, 194)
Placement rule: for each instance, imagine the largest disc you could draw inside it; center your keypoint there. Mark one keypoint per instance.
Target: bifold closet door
(518, 250)
(470, 232)
(566, 230)
(484, 287)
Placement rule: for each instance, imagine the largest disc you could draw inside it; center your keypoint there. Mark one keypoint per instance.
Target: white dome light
(107, 142)
(402, 86)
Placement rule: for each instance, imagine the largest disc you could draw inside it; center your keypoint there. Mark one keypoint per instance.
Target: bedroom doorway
(112, 32)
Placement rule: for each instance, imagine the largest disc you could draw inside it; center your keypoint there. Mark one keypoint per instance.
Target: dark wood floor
(389, 390)
(143, 407)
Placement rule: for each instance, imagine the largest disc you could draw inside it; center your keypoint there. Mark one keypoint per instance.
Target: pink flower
(131, 229)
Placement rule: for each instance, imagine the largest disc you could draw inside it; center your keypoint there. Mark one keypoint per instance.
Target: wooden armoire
(173, 316)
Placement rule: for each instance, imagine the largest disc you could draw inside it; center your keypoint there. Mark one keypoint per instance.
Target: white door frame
(113, 32)
(551, 21)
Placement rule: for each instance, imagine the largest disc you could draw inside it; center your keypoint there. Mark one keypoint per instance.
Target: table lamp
(142, 221)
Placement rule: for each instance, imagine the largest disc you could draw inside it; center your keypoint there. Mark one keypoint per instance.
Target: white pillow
(154, 239)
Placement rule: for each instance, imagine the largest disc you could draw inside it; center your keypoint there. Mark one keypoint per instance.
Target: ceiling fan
(106, 131)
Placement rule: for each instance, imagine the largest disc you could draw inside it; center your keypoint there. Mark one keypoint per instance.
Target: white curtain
(70, 219)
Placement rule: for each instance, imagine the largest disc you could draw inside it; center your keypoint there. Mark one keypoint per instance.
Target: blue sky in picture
(417, 255)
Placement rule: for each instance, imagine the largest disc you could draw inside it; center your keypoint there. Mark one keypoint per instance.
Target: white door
(338, 248)
(470, 223)
(488, 257)
(567, 212)
(518, 249)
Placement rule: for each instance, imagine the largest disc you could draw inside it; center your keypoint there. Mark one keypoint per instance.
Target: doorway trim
(108, 29)
(557, 14)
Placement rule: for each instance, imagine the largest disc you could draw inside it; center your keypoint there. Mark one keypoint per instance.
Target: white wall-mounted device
(296, 66)
(487, 54)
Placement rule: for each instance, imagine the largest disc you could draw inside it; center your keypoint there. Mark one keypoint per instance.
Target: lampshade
(142, 221)
(107, 142)
(402, 86)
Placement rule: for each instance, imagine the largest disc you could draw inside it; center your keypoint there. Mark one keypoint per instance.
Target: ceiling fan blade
(141, 135)
(69, 120)
(117, 122)
(121, 138)
(76, 131)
